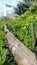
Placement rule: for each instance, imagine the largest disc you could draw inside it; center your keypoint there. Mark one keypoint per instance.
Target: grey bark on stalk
(22, 54)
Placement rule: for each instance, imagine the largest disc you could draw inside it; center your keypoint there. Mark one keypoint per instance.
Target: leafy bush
(21, 26)
(6, 58)
(3, 52)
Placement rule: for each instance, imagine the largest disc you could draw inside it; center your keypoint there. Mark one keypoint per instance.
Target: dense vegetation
(21, 28)
(22, 6)
(6, 58)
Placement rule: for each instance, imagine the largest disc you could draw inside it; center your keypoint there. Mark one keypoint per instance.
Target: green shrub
(6, 58)
(21, 26)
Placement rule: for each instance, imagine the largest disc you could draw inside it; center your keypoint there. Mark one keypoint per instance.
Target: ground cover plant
(6, 58)
(21, 28)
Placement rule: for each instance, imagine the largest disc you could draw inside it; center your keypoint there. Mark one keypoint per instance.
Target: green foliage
(21, 26)
(22, 6)
(6, 58)
(3, 52)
